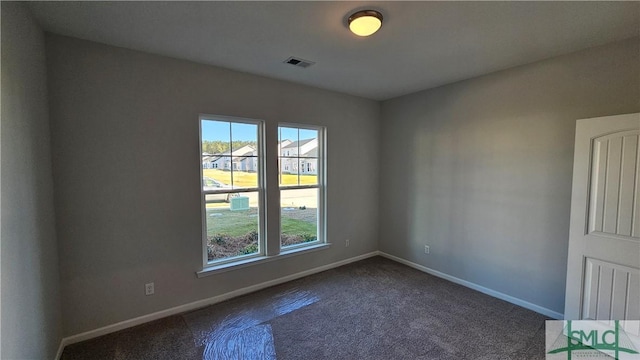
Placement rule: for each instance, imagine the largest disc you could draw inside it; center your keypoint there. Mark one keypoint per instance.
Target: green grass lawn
(291, 226)
(232, 223)
(240, 223)
(234, 233)
(247, 179)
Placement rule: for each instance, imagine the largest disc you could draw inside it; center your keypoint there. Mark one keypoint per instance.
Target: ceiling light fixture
(365, 22)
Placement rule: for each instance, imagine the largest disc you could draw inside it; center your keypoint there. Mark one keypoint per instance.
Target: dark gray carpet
(372, 309)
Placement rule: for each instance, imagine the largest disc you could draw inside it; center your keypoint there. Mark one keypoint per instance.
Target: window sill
(218, 269)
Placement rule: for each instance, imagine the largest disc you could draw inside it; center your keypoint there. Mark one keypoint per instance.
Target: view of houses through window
(299, 187)
(232, 187)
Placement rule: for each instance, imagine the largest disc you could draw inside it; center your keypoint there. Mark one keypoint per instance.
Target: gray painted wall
(480, 170)
(31, 327)
(126, 164)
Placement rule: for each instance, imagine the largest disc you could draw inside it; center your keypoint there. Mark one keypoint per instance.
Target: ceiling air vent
(299, 62)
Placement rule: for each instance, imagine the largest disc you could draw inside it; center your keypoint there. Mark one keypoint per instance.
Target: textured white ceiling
(421, 44)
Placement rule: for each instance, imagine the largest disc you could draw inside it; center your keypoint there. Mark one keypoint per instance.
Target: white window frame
(262, 244)
(321, 186)
(269, 248)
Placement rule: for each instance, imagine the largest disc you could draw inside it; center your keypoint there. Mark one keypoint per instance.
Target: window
(233, 188)
(231, 197)
(301, 188)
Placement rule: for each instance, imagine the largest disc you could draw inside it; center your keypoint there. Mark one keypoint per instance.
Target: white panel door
(603, 269)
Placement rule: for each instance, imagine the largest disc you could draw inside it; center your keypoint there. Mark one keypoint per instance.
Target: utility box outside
(239, 203)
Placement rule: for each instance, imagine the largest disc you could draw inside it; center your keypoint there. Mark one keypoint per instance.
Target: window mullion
(231, 153)
(272, 191)
(230, 191)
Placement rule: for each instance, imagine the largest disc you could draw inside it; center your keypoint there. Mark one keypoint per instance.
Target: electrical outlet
(149, 289)
(426, 249)
(346, 243)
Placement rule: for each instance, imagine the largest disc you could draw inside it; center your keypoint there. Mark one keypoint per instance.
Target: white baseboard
(216, 299)
(482, 289)
(60, 349)
(200, 303)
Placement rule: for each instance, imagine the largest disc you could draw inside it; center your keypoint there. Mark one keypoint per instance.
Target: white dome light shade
(365, 23)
